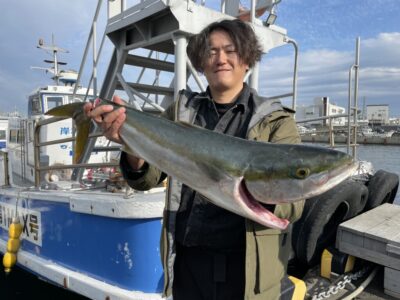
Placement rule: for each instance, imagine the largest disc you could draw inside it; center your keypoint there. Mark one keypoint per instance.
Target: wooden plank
(373, 236)
(370, 219)
(391, 282)
(384, 231)
(370, 255)
(367, 221)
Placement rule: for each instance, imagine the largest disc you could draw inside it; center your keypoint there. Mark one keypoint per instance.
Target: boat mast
(54, 50)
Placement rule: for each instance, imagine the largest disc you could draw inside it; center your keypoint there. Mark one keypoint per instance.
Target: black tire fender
(317, 227)
(382, 188)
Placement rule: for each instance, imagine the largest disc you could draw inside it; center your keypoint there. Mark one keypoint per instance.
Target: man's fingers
(97, 112)
(112, 131)
(87, 108)
(109, 119)
(116, 125)
(112, 116)
(117, 99)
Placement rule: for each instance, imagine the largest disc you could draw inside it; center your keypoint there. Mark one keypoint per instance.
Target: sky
(325, 30)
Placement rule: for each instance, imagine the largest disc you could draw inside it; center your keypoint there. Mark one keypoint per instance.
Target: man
(209, 252)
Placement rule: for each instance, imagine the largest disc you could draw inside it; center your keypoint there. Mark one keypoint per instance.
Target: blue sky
(325, 31)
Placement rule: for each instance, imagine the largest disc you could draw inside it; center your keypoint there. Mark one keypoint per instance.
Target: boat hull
(117, 249)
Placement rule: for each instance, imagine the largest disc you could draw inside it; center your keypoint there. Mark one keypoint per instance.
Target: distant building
(321, 108)
(378, 114)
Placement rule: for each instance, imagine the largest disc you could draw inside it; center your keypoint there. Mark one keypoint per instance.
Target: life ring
(382, 188)
(317, 227)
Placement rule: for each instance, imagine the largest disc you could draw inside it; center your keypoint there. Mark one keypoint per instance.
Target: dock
(375, 236)
(340, 139)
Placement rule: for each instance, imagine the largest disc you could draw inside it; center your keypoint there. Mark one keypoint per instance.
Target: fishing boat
(3, 132)
(82, 227)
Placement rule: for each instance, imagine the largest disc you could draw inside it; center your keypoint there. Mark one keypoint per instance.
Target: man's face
(223, 67)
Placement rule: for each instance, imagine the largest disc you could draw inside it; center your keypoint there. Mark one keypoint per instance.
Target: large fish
(235, 174)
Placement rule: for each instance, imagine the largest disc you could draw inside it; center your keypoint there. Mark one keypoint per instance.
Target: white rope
(363, 285)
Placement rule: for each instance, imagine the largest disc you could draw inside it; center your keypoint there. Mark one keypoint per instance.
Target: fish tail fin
(82, 122)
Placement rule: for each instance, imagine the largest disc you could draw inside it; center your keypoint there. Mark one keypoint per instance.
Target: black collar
(242, 101)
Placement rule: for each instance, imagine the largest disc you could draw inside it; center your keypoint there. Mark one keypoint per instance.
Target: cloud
(326, 73)
(317, 27)
(24, 23)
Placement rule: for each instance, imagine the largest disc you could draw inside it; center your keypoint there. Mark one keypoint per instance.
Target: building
(378, 114)
(322, 107)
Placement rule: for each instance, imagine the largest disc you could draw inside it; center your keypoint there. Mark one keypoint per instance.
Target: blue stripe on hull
(121, 252)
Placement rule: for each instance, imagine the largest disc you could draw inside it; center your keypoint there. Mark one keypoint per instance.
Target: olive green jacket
(267, 250)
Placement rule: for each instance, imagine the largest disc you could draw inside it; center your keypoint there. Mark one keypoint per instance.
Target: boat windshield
(54, 101)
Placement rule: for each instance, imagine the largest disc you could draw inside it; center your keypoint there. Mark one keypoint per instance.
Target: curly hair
(242, 35)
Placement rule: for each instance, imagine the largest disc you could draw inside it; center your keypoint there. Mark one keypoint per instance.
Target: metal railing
(4, 168)
(118, 12)
(38, 143)
(352, 113)
(330, 129)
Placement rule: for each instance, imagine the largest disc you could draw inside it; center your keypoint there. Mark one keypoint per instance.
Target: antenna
(53, 49)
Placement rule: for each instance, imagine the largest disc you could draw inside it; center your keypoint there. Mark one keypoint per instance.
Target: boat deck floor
(373, 291)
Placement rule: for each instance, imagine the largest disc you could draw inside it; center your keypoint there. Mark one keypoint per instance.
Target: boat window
(79, 98)
(2, 134)
(36, 106)
(13, 135)
(54, 102)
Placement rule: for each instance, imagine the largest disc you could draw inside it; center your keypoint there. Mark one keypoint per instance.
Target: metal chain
(341, 284)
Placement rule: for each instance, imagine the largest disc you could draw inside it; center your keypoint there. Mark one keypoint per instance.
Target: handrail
(352, 129)
(119, 12)
(351, 115)
(296, 55)
(6, 172)
(91, 39)
(322, 118)
(38, 144)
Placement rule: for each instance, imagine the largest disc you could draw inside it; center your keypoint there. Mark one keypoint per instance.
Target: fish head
(299, 172)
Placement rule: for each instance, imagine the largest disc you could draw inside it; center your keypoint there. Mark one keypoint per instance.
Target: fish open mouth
(249, 200)
(254, 207)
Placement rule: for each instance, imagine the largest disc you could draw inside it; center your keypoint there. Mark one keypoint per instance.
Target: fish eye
(302, 173)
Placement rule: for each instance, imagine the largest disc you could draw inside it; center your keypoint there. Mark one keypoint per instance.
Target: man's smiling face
(223, 68)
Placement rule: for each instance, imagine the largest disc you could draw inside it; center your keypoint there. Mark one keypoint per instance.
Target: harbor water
(21, 285)
(382, 157)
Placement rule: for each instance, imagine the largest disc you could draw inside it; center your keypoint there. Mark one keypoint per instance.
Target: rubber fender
(292, 288)
(335, 262)
(382, 188)
(300, 289)
(317, 227)
(357, 200)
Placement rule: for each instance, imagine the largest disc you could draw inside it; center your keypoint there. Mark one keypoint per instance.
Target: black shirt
(199, 222)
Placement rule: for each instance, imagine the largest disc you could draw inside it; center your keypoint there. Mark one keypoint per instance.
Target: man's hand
(111, 121)
(108, 119)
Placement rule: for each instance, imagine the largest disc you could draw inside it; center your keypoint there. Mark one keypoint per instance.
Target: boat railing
(38, 144)
(5, 174)
(352, 110)
(330, 129)
(121, 16)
